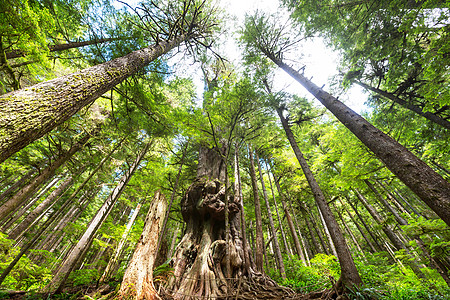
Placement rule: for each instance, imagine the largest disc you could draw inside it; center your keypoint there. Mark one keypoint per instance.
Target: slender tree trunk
(289, 221)
(276, 246)
(280, 223)
(114, 260)
(368, 229)
(327, 233)
(137, 282)
(361, 231)
(349, 273)
(69, 263)
(396, 215)
(414, 108)
(21, 228)
(305, 242)
(315, 244)
(414, 173)
(48, 172)
(61, 47)
(14, 217)
(239, 199)
(408, 204)
(259, 250)
(55, 101)
(16, 185)
(318, 231)
(404, 209)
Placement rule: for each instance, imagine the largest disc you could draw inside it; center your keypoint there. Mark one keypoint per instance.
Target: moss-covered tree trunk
(29, 113)
(137, 282)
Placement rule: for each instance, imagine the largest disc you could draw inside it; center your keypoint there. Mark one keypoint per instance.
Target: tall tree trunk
(289, 221)
(29, 113)
(61, 47)
(305, 242)
(137, 282)
(259, 245)
(16, 185)
(368, 229)
(114, 260)
(396, 215)
(280, 223)
(48, 172)
(239, 199)
(276, 246)
(315, 244)
(21, 228)
(361, 231)
(14, 217)
(414, 108)
(327, 233)
(81, 247)
(414, 173)
(349, 273)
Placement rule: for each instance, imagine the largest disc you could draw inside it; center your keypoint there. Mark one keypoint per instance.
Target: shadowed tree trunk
(414, 173)
(137, 282)
(16, 185)
(349, 273)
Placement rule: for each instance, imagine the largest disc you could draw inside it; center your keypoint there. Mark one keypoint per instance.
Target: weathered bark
(81, 247)
(29, 113)
(21, 228)
(276, 246)
(414, 173)
(199, 260)
(289, 221)
(259, 241)
(414, 108)
(174, 240)
(349, 273)
(137, 282)
(114, 260)
(48, 172)
(61, 47)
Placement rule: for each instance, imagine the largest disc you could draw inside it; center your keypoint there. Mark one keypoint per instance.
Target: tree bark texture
(349, 273)
(29, 113)
(414, 173)
(16, 185)
(137, 282)
(48, 172)
(80, 248)
(200, 258)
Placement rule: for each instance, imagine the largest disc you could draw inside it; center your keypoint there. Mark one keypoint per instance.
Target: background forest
(103, 133)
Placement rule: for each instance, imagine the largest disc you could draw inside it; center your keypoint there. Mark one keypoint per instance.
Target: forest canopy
(143, 157)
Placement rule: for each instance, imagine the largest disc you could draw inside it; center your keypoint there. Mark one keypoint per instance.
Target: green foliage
(26, 275)
(83, 276)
